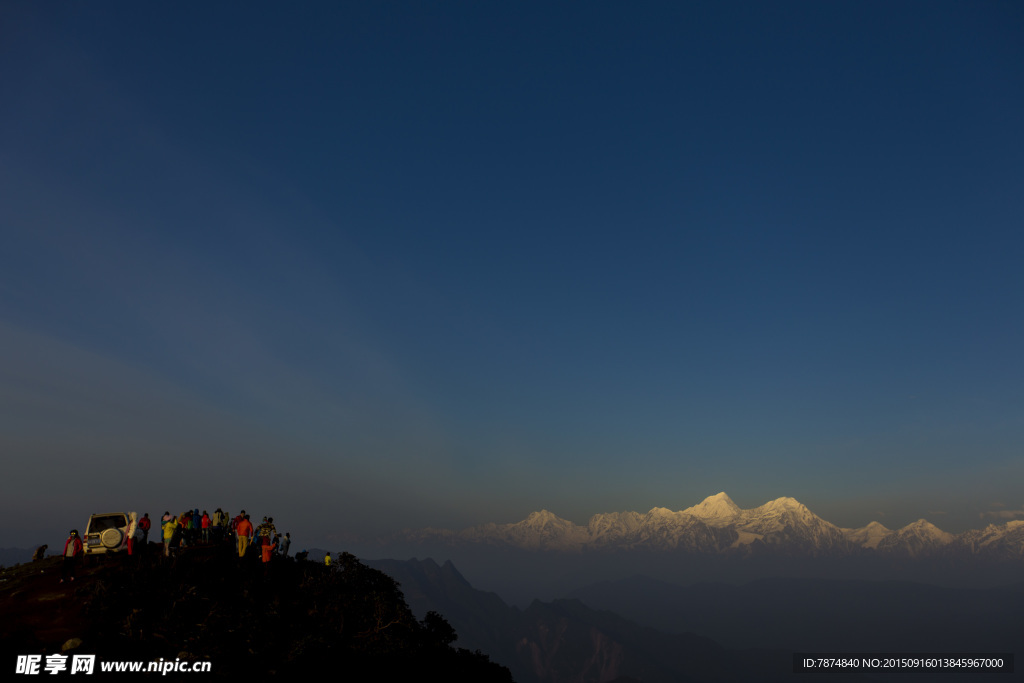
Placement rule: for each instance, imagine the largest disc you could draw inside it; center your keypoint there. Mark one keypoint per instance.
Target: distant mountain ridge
(717, 525)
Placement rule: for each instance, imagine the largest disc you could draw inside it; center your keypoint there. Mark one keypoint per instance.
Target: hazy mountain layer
(657, 631)
(567, 641)
(815, 615)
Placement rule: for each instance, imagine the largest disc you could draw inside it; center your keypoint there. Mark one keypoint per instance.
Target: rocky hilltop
(247, 619)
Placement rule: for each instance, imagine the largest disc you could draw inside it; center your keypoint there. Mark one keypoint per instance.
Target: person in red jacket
(235, 521)
(184, 520)
(144, 524)
(205, 523)
(72, 551)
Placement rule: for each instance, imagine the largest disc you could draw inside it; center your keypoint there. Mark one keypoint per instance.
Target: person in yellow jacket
(168, 526)
(327, 560)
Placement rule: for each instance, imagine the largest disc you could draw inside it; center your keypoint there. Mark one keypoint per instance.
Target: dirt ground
(39, 613)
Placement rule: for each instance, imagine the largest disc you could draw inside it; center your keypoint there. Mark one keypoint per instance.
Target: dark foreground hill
(245, 618)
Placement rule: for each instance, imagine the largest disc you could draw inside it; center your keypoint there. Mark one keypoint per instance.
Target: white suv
(105, 533)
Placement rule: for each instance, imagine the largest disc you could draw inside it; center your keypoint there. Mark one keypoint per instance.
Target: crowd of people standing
(192, 529)
(188, 530)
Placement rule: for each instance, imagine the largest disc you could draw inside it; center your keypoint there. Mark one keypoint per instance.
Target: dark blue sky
(388, 265)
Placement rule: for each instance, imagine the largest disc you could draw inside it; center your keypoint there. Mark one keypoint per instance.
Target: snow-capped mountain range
(718, 525)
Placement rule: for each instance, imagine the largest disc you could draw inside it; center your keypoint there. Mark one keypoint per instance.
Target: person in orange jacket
(244, 531)
(268, 551)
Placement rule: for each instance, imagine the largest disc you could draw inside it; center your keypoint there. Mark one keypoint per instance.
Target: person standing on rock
(268, 552)
(244, 531)
(285, 544)
(170, 526)
(144, 524)
(72, 551)
(236, 520)
(134, 535)
(217, 525)
(129, 535)
(261, 531)
(206, 527)
(182, 530)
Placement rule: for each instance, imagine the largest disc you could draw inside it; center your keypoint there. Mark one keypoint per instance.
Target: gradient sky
(381, 265)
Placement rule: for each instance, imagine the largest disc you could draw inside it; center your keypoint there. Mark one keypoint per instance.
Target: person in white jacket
(133, 534)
